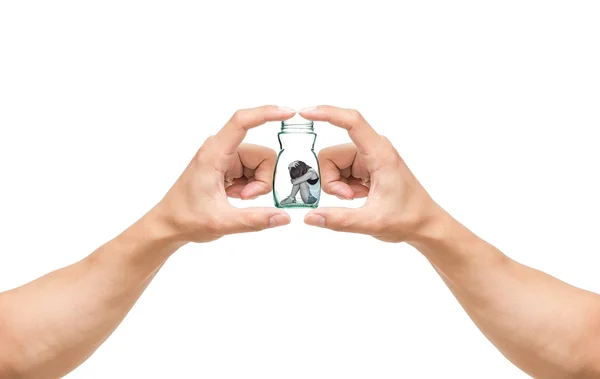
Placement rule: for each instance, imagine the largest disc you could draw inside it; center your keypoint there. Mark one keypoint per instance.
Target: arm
(546, 327)
(54, 323)
(51, 325)
(310, 174)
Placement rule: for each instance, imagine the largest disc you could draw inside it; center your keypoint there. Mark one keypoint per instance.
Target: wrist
(143, 247)
(445, 242)
(441, 238)
(158, 229)
(432, 224)
(151, 238)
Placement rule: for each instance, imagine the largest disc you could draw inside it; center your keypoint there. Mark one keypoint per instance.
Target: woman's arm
(310, 174)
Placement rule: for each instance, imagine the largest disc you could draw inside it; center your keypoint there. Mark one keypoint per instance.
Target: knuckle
(202, 158)
(204, 150)
(342, 224)
(355, 115)
(385, 140)
(270, 154)
(395, 157)
(253, 222)
(323, 154)
(239, 117)
(329, 153)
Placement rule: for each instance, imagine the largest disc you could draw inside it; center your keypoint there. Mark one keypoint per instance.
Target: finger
(242, 220)
(351, 220)
(260, 161)
(236, 187)
(233, 133)
(361, 133)
(333, 161)
(359, 187)
(341, 190)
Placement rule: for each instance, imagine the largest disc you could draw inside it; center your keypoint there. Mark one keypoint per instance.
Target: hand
(397, 206)
(294, 181)
(196, 208)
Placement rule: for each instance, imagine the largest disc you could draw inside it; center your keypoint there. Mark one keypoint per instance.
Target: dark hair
(300, 169)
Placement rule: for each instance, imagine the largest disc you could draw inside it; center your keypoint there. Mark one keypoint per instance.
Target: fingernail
(287, 110)
(278, 220)
(315, 220)
(308, 109)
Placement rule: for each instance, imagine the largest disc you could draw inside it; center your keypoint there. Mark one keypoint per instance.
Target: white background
(494, 106)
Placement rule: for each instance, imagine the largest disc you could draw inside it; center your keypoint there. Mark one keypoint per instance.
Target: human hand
(397, 207)
(196, 208)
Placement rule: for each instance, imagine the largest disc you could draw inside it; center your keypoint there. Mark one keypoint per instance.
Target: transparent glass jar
(297, 179)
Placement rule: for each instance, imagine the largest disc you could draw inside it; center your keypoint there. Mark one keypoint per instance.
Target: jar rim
(297, 123)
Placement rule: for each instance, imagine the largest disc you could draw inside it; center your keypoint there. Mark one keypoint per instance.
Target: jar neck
(297, 140)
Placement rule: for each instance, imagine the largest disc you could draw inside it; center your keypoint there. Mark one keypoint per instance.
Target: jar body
(297, 178)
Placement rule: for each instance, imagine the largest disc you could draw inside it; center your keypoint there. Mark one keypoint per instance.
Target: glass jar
(297, 179)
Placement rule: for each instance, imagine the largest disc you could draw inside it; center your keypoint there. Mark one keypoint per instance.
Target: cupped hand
(196, 208)
(397, 205)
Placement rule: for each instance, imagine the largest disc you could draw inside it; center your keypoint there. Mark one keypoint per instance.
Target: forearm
(51, 325)
(546, 327)
(303, 178)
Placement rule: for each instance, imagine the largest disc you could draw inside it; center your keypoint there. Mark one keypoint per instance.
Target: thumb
(352, 220)
(242, 220)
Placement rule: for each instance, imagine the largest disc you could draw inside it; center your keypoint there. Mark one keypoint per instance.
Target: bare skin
(300, 185)
(303, 189)
(546, 327)
(51, 325)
